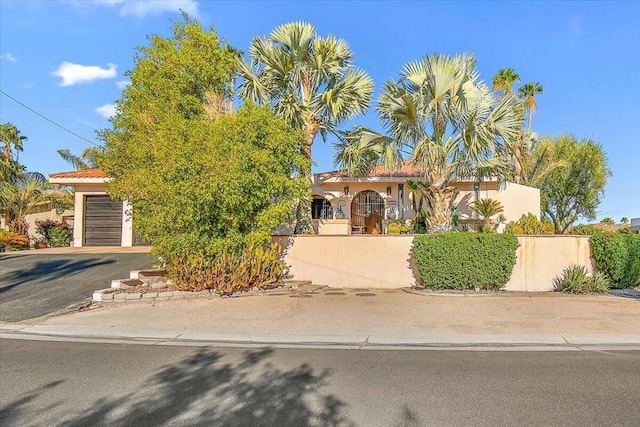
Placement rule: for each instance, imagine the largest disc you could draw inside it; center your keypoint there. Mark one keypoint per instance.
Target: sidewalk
(353, 318)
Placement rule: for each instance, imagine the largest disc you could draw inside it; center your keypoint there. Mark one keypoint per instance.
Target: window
(321, 208)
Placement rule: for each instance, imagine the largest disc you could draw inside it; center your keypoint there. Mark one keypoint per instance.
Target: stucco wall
(540, 259)
(53, 214)
(366, 261)
(362, 261)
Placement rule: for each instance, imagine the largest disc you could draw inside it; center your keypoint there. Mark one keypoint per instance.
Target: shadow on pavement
(49, 269)
(11, 414)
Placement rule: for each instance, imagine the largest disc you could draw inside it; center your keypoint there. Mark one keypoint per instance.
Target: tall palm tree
(87, 160)
(13, 143)
(527, 93)
(27, 194)
(310, 82)
(503, 81)
(308, 79)
(441, 117)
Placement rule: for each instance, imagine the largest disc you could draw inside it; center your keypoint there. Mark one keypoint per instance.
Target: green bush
(586, 230)
(54, 233)
(464, 260)
(618, 256)
(576, 281)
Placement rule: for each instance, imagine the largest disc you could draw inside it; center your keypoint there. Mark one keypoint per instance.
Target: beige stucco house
(342, 205)
(347, 205)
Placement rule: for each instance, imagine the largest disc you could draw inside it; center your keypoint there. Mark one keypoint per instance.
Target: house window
(321, 208)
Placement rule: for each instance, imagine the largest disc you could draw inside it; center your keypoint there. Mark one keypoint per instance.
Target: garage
(102, 221)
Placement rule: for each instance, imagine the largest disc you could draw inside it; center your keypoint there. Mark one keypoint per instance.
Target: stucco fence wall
(385, 261)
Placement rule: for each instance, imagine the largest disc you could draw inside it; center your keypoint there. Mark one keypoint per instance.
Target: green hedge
(618, 256)
(465, 260)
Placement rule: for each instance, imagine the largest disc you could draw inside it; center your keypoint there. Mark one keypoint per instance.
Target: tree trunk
(439, 215)
(304, 221)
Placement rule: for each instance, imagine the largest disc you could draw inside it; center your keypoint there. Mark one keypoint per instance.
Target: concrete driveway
(37, 283)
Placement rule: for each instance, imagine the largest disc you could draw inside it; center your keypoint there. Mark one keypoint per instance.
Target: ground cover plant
(464, 260)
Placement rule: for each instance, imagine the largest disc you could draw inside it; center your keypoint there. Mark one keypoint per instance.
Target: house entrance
(367, 213)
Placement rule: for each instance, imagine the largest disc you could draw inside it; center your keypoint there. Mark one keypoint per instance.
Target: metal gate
(367, 213)
(102, 221)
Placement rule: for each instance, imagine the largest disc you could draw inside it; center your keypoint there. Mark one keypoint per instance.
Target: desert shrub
(54, 233)
(229, 272)
(10, 241)
(586, 230)
(575, 280)
(529, 224)
(618, 256)
(464, 260)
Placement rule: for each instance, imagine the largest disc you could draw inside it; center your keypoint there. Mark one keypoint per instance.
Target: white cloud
(107, 110)
(76, 73)
(8, 57)
(122, 84)
(28, 85)
(142, 8)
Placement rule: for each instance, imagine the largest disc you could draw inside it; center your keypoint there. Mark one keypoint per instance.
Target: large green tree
(200, 178)
(575, 190)
(439, 115)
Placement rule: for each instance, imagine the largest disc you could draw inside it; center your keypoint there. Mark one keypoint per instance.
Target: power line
(48, 119)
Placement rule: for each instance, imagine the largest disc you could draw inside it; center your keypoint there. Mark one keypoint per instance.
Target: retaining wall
(372, 261)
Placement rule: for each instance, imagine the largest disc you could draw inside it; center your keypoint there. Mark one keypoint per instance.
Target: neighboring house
(635, 225)
(341, 204)
(98, 220)
(347, 205)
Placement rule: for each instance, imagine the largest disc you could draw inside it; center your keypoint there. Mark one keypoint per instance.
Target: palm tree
(27, 194)
(503, 81)
(87, 160)
(527, 93)
(310, 82)
(486, 208)
(13, 143)
(530, 159)
(624, 220)
(441, 117)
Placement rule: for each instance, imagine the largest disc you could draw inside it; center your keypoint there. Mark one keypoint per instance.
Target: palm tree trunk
(439, 215)
(529, 121)
(304, 221)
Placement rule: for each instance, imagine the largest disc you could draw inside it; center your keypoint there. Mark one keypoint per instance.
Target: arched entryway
(367, 213)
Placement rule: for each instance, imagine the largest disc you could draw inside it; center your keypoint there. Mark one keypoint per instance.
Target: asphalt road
(75, 384)
(36, 285)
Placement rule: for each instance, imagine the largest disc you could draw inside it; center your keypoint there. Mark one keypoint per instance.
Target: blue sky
(66, 60)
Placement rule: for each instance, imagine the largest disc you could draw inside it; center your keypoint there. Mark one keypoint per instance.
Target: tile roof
(406, 170)
(86, 173)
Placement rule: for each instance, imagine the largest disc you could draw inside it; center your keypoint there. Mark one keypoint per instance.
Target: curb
(361, 341)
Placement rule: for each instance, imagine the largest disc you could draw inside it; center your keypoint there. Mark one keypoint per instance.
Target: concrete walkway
(358, 318)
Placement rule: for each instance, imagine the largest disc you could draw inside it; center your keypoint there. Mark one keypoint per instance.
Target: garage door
(102, 221)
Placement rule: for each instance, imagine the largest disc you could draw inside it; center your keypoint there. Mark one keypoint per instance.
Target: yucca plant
(575, 280)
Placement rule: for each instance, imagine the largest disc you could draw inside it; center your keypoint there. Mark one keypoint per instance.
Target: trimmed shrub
(465, 260)
(575, 280)
(618, 256)
(54, 233)
(586, 230)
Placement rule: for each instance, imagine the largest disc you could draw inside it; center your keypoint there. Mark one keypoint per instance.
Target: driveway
(33, 284)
